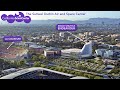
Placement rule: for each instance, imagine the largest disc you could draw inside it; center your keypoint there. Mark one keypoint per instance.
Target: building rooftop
(36, 46)
(8, 70)
(24, 71)
(79, 77)
(110, 66)
(52, 49)
(29, 43)
(75, 50)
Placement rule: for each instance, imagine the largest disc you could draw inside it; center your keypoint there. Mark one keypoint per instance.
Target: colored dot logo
(17, 18)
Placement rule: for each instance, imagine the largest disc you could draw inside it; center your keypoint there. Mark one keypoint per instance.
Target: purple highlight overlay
(66, 27)
(12, 38)
(17, 18)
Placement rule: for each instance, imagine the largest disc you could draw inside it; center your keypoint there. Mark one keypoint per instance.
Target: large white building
(100, 52)
(108, 53)
(104, 53)
(85, 52)
(70, 53)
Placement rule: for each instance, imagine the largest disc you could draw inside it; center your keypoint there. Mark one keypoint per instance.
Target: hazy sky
(88, 14)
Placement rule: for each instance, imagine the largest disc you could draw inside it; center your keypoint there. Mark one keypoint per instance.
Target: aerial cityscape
(90, 52)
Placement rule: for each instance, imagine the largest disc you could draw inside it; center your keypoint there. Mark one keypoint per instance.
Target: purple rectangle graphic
(66, 27)
(12, 38)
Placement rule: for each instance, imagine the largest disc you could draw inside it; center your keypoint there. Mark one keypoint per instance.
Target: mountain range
(91, 20)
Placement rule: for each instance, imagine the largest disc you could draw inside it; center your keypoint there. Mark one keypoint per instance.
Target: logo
(66, 27)
(17, 18)
(12, 38)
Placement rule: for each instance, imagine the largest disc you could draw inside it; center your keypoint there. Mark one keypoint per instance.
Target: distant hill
(91, 20)
(105, 20)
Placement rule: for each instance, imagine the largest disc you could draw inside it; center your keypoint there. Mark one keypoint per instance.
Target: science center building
(85, 52)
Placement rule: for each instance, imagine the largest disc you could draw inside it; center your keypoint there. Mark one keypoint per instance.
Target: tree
(68, 71)
(113, 42)
(42, 65)
(35, 58)
(1, 61)
(21, 63)
(97, 77)
(72, 72)
(117, 64)
(37, 64)
(42, 57)
(15, 64)
(60, 69)
(99, 57)
(100, 62)
(64, 70)
(90, 76)
(52, 68)
(115, 70)
(77, 73)
(85, 75)
(56, 69)
(91, 61)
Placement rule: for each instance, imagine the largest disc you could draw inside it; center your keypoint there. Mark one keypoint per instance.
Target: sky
(67, 16)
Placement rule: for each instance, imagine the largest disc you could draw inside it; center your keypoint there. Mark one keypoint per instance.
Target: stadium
(40, 73)
(12, 53)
